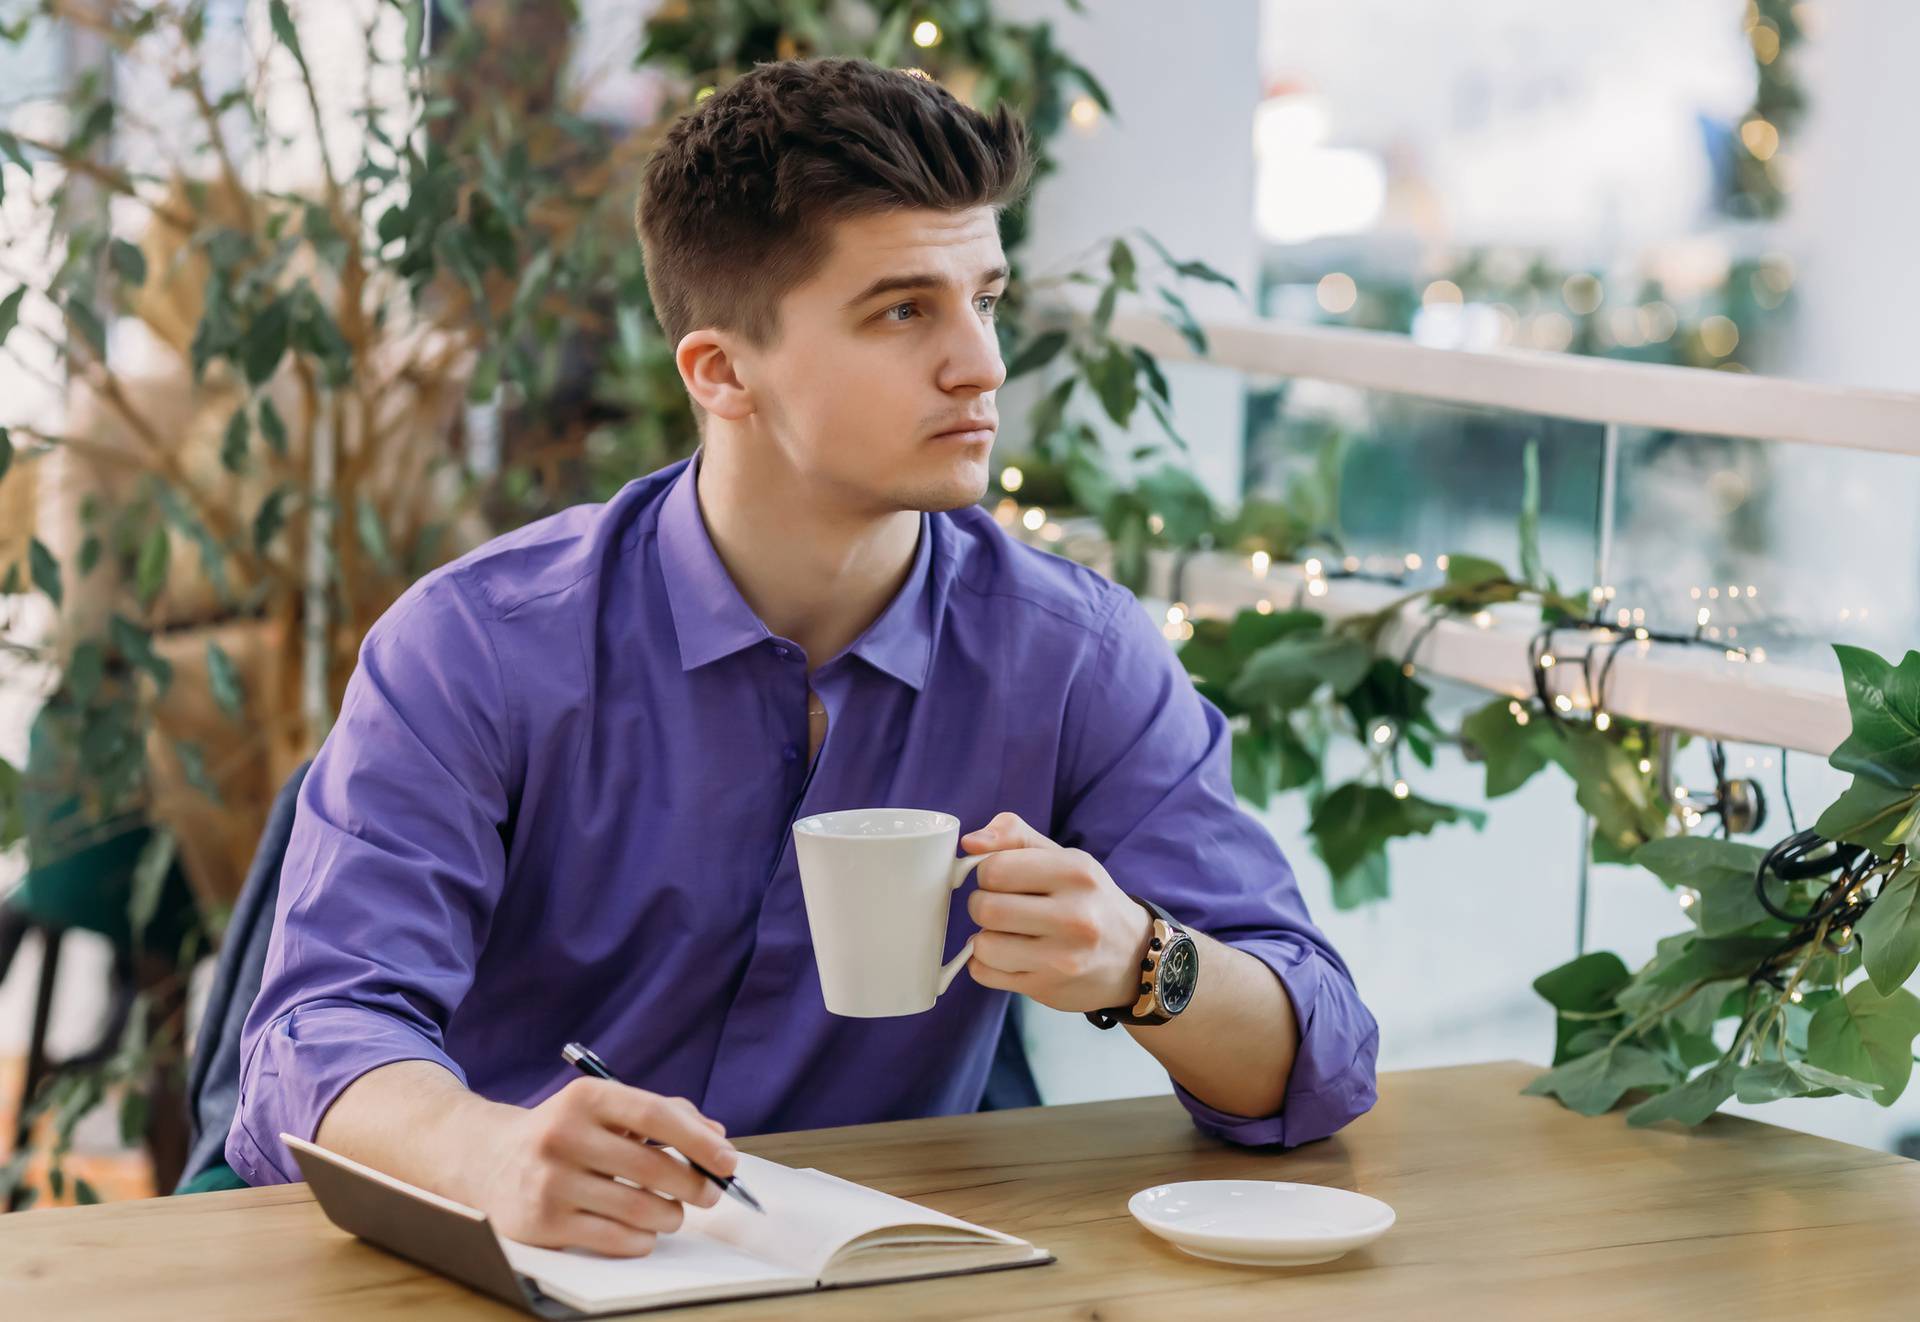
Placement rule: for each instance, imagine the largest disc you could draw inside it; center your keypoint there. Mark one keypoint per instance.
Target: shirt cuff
(1332, 1082)
(298, 1067)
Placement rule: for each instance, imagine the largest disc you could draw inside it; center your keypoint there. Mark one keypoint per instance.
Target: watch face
(1179, 971)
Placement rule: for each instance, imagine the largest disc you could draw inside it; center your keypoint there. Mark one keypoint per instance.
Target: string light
(1156, 525)
(1440, 562)
(1337, 292)
(1034, 518)
(1317, 588)
(1176, 613)
(1563, 702)
(1263, 606)
(1382, 733)
(1400, 790)
(1483, 618)
(1012, 479)
(1260, 562)
(1646, 766)
(1547, 660)
(1314, 568)
(1702, 618)
(1687, 898)
(926, 33)
(1084, 112)
(1413, 560)
(1602, 721)
(1794, 996)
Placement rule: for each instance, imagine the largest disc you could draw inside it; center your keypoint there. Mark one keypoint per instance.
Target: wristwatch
(1168, 975)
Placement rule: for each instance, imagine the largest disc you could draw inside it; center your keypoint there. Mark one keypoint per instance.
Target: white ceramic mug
(879, 884)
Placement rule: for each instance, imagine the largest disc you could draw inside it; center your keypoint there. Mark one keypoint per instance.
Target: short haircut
(738, 203)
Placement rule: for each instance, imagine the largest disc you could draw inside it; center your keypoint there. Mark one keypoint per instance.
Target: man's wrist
(1133, 944)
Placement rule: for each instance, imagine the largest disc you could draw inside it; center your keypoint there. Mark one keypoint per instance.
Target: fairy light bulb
(1259, 562)
(1012, 479)
(1400, 790)
(1602, 721)
(1547, 660)
(1382, 733)
(1034, 519)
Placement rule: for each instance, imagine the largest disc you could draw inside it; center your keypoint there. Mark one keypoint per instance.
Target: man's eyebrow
(893, 284)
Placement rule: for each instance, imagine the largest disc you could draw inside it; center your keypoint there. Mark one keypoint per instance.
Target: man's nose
(973, 361)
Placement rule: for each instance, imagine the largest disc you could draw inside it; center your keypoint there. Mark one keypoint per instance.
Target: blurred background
(299, 301)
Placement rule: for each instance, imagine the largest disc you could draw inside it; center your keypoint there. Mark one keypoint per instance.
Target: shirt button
(791, 753)
(781, 652)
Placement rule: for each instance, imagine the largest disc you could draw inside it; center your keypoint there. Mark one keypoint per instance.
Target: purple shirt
(558, 804)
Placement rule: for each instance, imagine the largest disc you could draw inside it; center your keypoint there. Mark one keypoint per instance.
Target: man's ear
(711, 372)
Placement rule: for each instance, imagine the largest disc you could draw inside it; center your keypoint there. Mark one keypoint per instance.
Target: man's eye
(898, 307)
(991, 300)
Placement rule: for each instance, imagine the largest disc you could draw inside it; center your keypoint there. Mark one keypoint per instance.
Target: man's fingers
(597, 1234)
(664, 1120)
(1021, 872)
(1006, 831)
(1029, 915)
(1007, 953)
(988, 976)
(637, 1208)
(608, 1154)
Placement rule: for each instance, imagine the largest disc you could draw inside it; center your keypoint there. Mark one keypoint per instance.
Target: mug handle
(962, 869)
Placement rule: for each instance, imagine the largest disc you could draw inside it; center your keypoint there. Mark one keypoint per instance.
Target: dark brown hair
(738, 203)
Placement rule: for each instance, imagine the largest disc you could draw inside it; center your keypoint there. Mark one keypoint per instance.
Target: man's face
(880, 383)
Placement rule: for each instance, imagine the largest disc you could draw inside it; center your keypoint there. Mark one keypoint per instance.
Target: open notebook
(818, 1232)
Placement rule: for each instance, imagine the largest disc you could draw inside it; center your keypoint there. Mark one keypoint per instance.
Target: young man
(559, 799)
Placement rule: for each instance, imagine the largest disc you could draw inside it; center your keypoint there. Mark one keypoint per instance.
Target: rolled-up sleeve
(1148, 790)
(391, 877)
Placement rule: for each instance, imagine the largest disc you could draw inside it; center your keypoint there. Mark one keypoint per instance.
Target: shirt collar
(712, 620)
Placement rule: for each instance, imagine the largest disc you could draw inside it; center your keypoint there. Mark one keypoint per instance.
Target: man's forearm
(418, 1123)
(1233, 1047)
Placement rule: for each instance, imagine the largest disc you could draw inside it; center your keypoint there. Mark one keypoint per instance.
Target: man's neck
(816, 574)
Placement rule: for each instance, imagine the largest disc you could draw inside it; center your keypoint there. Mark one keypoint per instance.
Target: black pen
(581, 1057)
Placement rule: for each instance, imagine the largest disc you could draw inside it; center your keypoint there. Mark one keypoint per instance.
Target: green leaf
(1864, 1035)
(87, 322)
(136, 645)
(1868, 814)
(128, 262)
(270, 517)
(1512, 751)
(1684, 958)
(282, 23)
(133, 1117)
(1036, 353)
(1289, 672)
(1120, 262)
(223, 679)
(1594, 1082)
(151, 573)
(1192, 270)
(86, 668)
(1185, 322)
(1721, 870)
(266, 341)
(1584, 985)
(1609, 784)
(1364, 883)
(6, 451)
(1470, 571)
(373, 536)
(1691, 1102)
(1885, 703)
(1357, 820)
(272, 427)
(1771, 1080)
(10, 312)
(149, 875)
(84, 1194)
(44, 569)
(233, 445)
(1889, 932)
(1112, 378)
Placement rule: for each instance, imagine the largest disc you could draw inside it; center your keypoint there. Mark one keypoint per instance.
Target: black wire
(1786, 795)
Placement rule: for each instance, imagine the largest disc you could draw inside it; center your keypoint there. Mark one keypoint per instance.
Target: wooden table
(1508, 1206)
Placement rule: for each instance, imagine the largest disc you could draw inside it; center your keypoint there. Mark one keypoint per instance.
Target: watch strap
(1164, 931)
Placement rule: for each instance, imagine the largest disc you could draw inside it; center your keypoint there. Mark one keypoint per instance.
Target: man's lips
(969, 431)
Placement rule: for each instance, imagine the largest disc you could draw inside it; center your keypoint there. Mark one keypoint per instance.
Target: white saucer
(1263, 1223)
